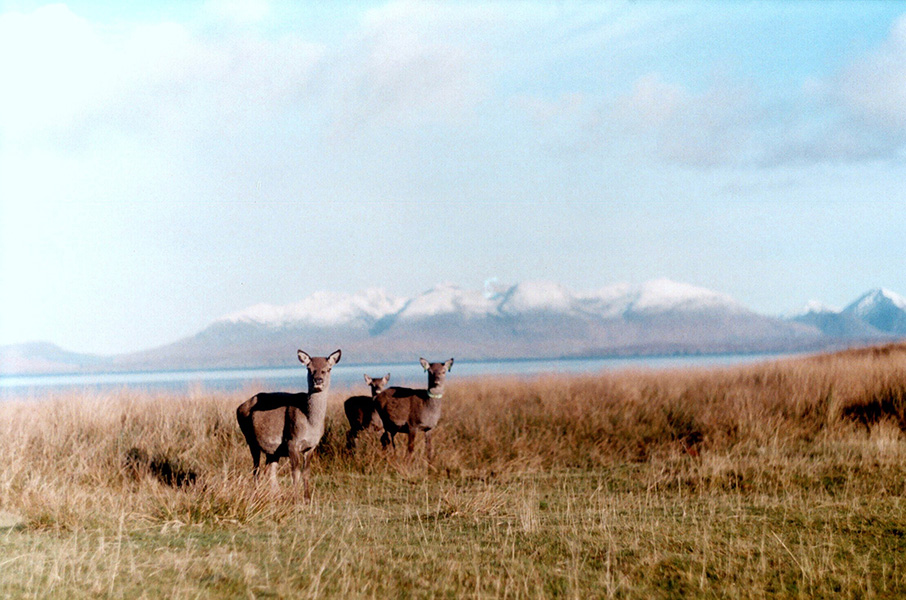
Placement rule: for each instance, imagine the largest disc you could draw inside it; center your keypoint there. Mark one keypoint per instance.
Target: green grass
(629, 485)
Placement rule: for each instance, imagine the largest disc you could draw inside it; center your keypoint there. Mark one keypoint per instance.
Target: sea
(344, 376)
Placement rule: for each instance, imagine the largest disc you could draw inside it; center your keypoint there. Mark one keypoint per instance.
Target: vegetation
(784, 479)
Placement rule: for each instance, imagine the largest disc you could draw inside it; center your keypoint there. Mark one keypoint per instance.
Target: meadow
(781, 479)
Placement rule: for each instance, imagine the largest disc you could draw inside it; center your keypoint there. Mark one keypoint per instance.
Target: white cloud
(69, 80)
(409, 64)
(239, 11)
(854, 115)
(874, 87)
(651, 104)
(852, 118)
(53, 65)
(708, 128)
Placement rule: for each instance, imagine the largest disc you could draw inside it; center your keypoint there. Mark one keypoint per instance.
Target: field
(784, 479)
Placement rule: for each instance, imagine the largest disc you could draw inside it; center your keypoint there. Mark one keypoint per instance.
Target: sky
(163, 164)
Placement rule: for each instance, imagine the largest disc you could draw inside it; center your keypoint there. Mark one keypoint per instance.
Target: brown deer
(410, 411)
(362, 410)
(283, 424)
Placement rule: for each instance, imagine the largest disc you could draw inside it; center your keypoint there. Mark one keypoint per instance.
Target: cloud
(412, 70)
(655, 120)
(874, 87)
(410, 64)
(70, 78)
(53, 65)
(239, 11)
(708, 128)
(855, 115)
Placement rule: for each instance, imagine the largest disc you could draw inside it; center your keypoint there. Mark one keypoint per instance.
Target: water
(344, 376)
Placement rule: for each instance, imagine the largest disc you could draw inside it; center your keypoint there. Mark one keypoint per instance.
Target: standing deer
(362, 410)
(284, 424)
(409, 411)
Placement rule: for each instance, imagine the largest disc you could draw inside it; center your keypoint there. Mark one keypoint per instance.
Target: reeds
(745, 481)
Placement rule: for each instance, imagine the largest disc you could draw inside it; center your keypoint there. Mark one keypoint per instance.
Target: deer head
(319, 370)
(437, 374)
(377, 385)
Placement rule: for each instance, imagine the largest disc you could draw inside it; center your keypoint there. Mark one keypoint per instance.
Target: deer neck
(317, 406)
(436, 392)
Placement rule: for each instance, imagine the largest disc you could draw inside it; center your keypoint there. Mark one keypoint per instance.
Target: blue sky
(164, 164)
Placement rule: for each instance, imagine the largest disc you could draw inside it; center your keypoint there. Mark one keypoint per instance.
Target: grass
(784, 479)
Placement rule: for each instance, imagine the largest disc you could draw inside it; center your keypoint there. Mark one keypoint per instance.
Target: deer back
(402, 406)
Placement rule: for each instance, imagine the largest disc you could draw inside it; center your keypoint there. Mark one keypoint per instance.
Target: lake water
(344, 376)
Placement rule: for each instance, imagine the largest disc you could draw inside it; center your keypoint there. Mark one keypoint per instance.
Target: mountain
(532, 319)
(44, 357)
(836, 323)
(882, 309)
(876, 314)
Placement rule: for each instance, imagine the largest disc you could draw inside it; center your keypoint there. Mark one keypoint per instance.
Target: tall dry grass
(614, 482)
(66, 454)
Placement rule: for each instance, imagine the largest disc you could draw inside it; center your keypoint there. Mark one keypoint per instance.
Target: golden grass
(781, 479)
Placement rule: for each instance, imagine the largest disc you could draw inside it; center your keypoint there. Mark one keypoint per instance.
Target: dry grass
(783, 479)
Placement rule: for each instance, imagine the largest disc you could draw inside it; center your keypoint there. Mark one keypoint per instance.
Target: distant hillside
(536, 319)
(878, 314)
(44, 357)
(528, 320)
(837, 324)
(882, 309)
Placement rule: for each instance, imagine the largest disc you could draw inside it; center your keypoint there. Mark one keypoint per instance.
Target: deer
(282, 424)
(362, 411)
(410, 411)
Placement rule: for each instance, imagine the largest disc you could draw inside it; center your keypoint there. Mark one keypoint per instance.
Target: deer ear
(334, 358)
(449, 364)
(386, 377)
(368, 380)
(304, 358)
(424, 363)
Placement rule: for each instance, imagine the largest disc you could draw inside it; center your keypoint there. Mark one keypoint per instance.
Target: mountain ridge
(530, 319)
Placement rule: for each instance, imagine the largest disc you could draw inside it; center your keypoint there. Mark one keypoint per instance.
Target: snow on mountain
(530, 296)
(655, 297)
(322, 309)
(816, 307)
(874, 299)
(664, 295)
(882, 309)
(610, 302)
(447, 298)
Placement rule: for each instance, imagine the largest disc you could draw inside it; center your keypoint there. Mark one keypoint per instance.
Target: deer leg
(270, 470)
(256, 462)
(428, 452)
(410, 447)
(295, 463)
(306, 470)
(350, 438)
(386, 440)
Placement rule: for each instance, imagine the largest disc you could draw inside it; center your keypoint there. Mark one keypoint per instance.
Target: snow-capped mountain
(446, 299)
(878, 314)
(882, 309)
(322, 309)
(818, 308)
(329, 309)
(834, 322)
(531, 319)
(665, 296)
